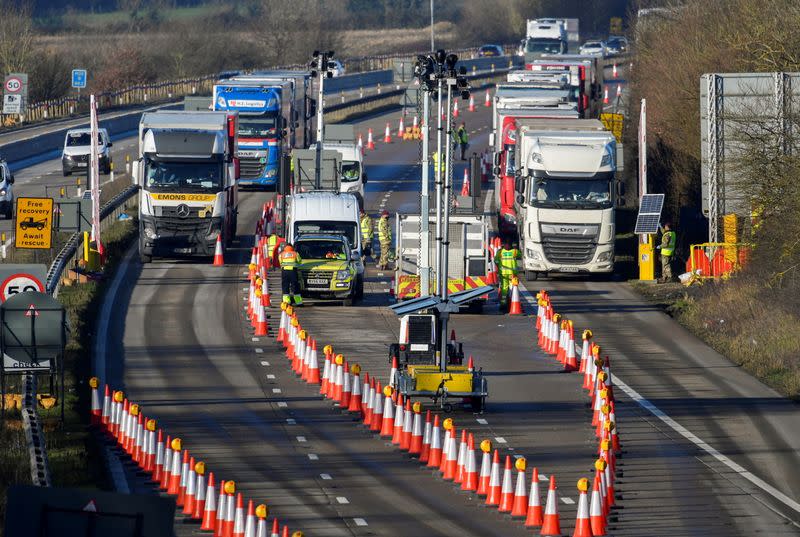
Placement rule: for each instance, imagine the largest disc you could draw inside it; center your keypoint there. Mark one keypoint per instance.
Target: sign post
(15, 94)
(94, 174)
(34, 225)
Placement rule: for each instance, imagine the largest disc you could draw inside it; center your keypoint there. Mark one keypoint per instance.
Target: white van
(326, 213)
(77, 146)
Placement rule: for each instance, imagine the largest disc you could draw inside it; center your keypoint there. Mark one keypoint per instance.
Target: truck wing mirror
(620, 189)
(136, 172)
(491, 139)
(11, 179)
(520, 199)
(364, 176)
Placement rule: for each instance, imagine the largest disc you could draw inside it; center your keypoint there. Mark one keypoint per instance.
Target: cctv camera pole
(320, 118)
(438, 171)
(448, 172)
(424, 216)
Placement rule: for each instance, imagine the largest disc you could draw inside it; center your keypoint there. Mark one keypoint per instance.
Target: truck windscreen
(326, 227)
(566, 193)
(543, 46)
(174, 176)
(258, 126)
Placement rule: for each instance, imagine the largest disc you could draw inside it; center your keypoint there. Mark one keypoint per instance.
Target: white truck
(545, 36)
(353, 176)
(566, 193)
(187, 171)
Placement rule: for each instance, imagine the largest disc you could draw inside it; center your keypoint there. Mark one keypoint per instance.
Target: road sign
(19, 283)
(12, 103)
(34, 223)
(79, 78)
(16, 84)
(613, 122)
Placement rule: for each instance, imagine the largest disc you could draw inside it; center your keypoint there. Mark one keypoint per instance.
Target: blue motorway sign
(79, 78)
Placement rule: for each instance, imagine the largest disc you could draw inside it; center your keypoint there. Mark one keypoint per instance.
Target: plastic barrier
(717, 259)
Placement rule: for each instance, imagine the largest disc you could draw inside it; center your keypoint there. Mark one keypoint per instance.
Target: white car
(6, 191)
(336, 68)
(594, 48)
(77, 146)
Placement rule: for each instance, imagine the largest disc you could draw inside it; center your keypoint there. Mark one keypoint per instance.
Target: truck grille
(419, 330)
(569, 248)
(251, 168)
(168, 226)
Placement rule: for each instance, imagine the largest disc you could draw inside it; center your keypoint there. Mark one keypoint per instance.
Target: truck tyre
(531, 276)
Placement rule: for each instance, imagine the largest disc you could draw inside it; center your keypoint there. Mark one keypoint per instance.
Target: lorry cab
(353, 174)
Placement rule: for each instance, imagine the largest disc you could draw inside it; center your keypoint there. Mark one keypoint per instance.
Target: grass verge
(74, 458)
(751, 324)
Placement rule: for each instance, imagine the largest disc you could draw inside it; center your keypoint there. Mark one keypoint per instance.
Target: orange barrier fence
(717, 259)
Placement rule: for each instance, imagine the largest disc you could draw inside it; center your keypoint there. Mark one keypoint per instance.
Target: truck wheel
(531, 276)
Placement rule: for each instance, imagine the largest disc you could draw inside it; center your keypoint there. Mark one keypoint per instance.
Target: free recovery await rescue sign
(34, 227)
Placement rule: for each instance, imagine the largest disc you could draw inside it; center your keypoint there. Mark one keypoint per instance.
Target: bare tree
(16, 35)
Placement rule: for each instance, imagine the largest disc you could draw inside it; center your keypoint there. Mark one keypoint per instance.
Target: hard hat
(384, 214)
(288, 248)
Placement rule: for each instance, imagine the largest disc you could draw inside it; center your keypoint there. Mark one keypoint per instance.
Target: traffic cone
(520, 502)
(551, 524)
(515, 308)
(283, 324)
(184, 481)
(370, 141)
(326, 371)
(366, 405)
(338, 384)
(230, 514)
(461, 458)
(158, 467)
(425, 452)
(250, 520)
(261, 320)
(105, 413)
(376, 421)
(360, 144)
(400, 128)
(582, 524)
(408, 421)
(387, 418)
(399, 415)
(455, 108)
(393, 373)
(209, 522)
(265, 298)
(415, 443)
(605, 95)
(470, 481)
(451, 461)
(471, 103)
(597, 518)
(619, 91)
(614, 71)
(488, 101)
(435, 454)
(97, 410)
(346, 388)
(201, 491)
(387, 135)
(493, 490)
(275, 529)
(191, 482)
(534, 518)
(570, 360)
(222, 506)
(465, 183)
(313, 365)
(507, 489)
(445, 449)
(261, 524)
(586, 336)
(163, 483)
(219, 259)
(355, 397)
(173, 486)
(238, 518)
(486, 468)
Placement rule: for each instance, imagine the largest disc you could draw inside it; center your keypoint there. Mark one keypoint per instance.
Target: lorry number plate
(318, 282)
(416, 347)
(569, 269)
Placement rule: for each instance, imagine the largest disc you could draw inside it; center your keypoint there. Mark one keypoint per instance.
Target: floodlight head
(330, 54)
(465, 95)
(440, 56)
(451, 60)
(315, 54)
(462, 70)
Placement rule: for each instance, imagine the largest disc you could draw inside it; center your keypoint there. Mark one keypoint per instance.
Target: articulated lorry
(566, 191)
(187, 171)
(273, 120)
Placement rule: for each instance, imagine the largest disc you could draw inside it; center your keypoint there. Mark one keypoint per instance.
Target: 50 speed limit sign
(20, 283)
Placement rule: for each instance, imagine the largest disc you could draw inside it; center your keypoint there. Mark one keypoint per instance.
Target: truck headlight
(537, 158)
(342, 274)
(606, 161)
(605, 256)
(3, 192)
(533, 255)
(150, 233)
(271, 172)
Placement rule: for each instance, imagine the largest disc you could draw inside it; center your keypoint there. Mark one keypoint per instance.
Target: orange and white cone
(619, 91)
(313, 366)
(149, 457)
(605, 95)
(326, 371)
(399, 415)
(105, 414)
(415, 442)
(515, 307)
(461, 458)
(614, 72)
(376, 421)
(435, 455)
(346, 389)
(425, 451)
(408, 421)
(387, 418)
(387, 135)
(455, 108)
(209, 522)
(355, 397)
(158, 467)
(360, 144)
(471, 103)
(163, 483)
(470, 481)
(222, 507)
(535, 517)
(173, 485)
(393, 373)
(445, 449)
(451, 461)
(261, 320)
(184, 481)
(261, 524)
(275, 529)
(97, 410)
(551, 525)
(493, 490)
(250, 520)
(190, 498)
(570, 359)
(367, 396)
(597, 517)
(370, 141)
(465, 183)
(201, 492)
(520, 504)
(238, 517)
(486, 468)
(582, 523)
(488, 101)
(338, 384)
(219, 259)
(230, 513)
(507, 488)
(401, 128)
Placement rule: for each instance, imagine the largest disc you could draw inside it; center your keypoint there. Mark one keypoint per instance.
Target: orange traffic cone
(493, 490)
(367, 396)
(393, 372)
(313, 366)
(455, 108)
(408, 422)
(614, 71)
(520, 504)
(570, 360)
(465, 183)
(370, 141)
(173, 485)
(425, 452)
(275, 529)
(387, 418)
(105, 416)
(261, 321)
(201, 491)
(507, 489)
(534, 518)
(250, 521)
(261, 524)
(222, 505)
(167, 464)
(461, 458)
(582, 524)
(400, 128)
(488, 101)
(451, 460)
(360, 143)
(376, 420)
(435, 450)
(184, 480)
(399, 417)
(346, 389)
(209, 522)
(597, 518)
(470, 482)
(219, 260)
(238, 518)
(97, 410)
(605, 95)
(552, 524)
(515, 308)
(387, 135)
(355, 396)
(471, 103)
(486, 468)
(158, 466)
(415, 441)
(619, 91)
(191, 492)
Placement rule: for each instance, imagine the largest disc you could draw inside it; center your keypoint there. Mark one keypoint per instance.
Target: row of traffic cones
(173, 470)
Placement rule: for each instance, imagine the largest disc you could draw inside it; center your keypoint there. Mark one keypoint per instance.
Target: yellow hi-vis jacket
(506, 261)
(290, 260)
(367, 231)
(435, 158)
(384, 230)
(668, 243)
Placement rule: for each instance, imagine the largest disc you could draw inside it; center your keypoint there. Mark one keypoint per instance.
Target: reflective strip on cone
(209, 522)
(520, 505)
(435, 455)
(535, 517)
(493, 494)
(552, 524)
(507, 488)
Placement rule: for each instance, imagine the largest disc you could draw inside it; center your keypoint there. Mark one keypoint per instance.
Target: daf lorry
(187, 171)
(566, 192)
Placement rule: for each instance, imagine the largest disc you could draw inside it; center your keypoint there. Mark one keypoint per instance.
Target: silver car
(594, 48)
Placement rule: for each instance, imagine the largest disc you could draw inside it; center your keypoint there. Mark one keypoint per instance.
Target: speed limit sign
(20, 283)
(13, 84)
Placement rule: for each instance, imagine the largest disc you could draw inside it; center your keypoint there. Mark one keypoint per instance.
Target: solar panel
(649, 214)
(470, 294)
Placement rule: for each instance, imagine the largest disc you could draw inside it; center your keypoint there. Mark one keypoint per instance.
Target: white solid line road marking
(313, 457)
(342, 500)
(255, 339)
(276, 390)
(360, 522)
(694, 439)
(482, 421)
(326, 477)
(301, 439)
